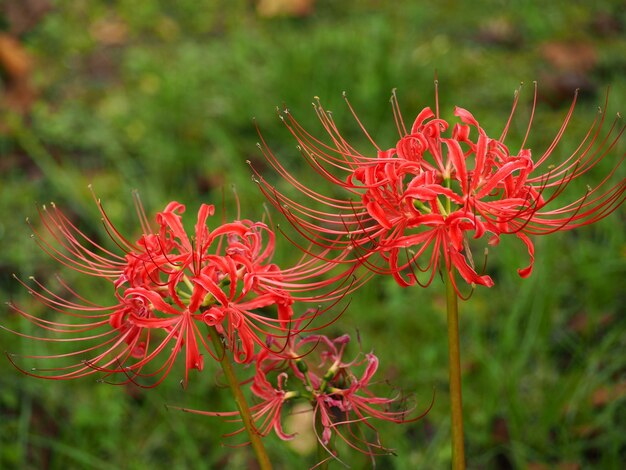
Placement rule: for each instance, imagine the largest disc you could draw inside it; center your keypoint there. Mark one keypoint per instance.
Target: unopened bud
(302, 366)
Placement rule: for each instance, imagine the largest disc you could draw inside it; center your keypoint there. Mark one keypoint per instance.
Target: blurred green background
(159, 96)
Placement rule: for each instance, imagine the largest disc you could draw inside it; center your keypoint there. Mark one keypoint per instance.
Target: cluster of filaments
(338, 395)
(169, 288)
(416, 206)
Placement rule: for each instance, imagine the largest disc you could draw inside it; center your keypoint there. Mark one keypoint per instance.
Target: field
(163, 98)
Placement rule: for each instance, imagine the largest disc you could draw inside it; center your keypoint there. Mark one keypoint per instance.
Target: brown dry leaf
(606, 24)
(578, 57)
(538, 466)
(567, 67)
(272, 8)
(500, 32)
(587, 431)
(109, 31)
(16, 66)
(582, 323)
(14, 59)
(500, 431)
(568, 466)
(609, 393)
(23, 15)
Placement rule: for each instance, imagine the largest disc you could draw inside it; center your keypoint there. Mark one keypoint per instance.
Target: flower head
(342, 404)
(165, 290)
(415, 207)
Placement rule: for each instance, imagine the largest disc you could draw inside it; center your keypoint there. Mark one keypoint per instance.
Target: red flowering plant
(413, 209)
(178, 295)
(342, 405)
(166, 287)
(173, 295)
(424, 198)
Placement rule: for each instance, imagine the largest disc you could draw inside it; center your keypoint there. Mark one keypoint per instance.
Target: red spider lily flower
(342, 403)
(343, 406)
(438, 187)
(167, 288)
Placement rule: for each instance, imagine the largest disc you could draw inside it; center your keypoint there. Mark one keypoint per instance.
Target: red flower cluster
(168, 288)
(342, 403)
(427, 196)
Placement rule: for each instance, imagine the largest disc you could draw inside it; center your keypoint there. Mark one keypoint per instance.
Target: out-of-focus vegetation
(159, 96)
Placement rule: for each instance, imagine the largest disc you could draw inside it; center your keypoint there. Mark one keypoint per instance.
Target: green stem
(323, 455)
(454, 358)
(240, 400)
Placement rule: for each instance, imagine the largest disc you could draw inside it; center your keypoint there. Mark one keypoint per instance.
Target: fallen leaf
(578, 57)
(110, 31)
(609, 393)
(23, 15)
(272, 8)
(500, 32)
(500, 431)
(16, 66)
(568, 466)
(14, 59)
(606, 24)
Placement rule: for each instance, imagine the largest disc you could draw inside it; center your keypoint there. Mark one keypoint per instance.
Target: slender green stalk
(240, 400)
(323, 456)
(454, 367)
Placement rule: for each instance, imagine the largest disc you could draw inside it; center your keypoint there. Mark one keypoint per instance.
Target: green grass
(168, 110)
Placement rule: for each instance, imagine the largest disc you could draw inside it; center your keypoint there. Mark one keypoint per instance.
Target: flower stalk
(242, 405)
(454, 368)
